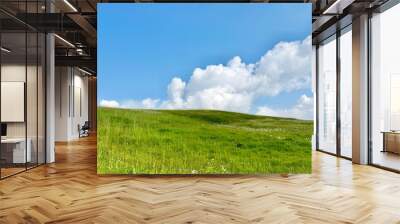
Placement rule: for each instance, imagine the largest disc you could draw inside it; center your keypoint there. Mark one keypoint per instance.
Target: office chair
(84, 130)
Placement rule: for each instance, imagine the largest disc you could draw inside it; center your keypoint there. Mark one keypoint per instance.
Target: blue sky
(143, 47)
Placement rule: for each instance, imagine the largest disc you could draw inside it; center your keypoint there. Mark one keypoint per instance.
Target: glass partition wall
(385, 89)
(334, 94)
(13, 89)
(22, 98)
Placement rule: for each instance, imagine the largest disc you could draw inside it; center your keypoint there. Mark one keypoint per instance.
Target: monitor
(3, 129)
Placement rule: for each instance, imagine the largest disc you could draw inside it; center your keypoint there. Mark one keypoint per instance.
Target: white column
(50, 92)
(50, 99)
(314, 91)
(360, 90)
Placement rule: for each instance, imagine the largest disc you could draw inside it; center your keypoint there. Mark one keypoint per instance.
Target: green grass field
(200, 142)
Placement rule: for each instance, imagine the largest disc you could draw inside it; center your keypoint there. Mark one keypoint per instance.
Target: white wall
(10, 73)
(71, 87)
(17, 73)
(80, 94)
(62, 82)
(33, 126)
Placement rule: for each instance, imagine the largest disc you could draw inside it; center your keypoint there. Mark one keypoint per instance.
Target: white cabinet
(19, 155)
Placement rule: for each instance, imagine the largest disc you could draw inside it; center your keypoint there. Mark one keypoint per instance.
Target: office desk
(13, 150)
(391, 141)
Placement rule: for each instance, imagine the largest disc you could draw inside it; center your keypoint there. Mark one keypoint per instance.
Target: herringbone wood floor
(69, 191)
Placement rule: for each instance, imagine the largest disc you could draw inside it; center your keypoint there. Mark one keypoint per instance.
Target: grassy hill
(200, 141)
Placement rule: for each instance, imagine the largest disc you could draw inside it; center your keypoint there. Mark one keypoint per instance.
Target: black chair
(84, 130)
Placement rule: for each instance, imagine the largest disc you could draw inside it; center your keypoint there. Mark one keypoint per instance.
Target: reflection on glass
(386, 89)
(346, 93)
(327, 96)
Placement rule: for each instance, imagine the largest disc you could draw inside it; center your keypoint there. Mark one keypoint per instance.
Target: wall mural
(204, 89)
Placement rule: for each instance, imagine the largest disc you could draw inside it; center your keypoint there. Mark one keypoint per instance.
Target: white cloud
(285, 68)
(150, 103)
(109, 103)
(147, 103)
(236, 85)
(303, 109)
(176, 90)
(219, 98)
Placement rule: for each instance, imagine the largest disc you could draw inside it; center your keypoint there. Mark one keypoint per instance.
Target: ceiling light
(5, 50)
(331, 7)
(84, 71)
(65, 41)
(79, 51)
(337, 7)
(70, 5)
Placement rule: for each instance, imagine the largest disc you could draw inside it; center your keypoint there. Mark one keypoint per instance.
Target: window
(346, 92)
(327, 96)
(385, 89)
